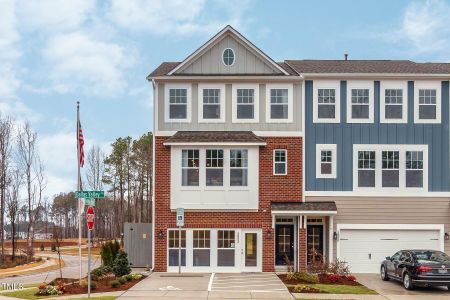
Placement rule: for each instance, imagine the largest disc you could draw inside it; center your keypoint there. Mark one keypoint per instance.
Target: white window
(174, 245)
(201, 248)
(360, 101)
(394, 101)
(238, 167)
(279, 162)
(228, 57)
(226, 244)
(390, 167)
(245, 103)
(211, 106)
(326, 97)
(427, 102)
(214, 167)
(190, 164)
(279, 108)
(177, 103)
(326, 161)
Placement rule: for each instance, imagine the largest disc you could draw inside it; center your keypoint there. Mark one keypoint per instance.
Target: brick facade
(271, 188)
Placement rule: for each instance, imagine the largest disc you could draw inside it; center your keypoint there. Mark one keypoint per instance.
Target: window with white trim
(360, 101)
(393, 101)
(214, 167)
(238, 167)
(177, 103)
(427, 102)
(190, 164)
(228, 57)
(245, 106)
(201, 245)
(326, 104)
(211, 104)
(279, 107)
(173, 240)
(326, 161)
(226, 248)
(366, 168)
(390, 168)
(414, 169)
(326, 97)
(280, 162)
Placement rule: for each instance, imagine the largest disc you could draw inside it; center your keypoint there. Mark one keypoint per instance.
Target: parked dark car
(417, 268)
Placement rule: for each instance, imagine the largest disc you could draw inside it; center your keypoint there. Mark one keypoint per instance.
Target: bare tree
(57, 238)
(6, 129)
(12, 205)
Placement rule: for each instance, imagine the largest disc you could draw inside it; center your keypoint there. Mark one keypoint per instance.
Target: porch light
(335, 236)
(269, 233)
(160, 234)
(446, 236)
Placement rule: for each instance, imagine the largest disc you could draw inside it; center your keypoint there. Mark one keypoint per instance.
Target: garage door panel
(365, 249)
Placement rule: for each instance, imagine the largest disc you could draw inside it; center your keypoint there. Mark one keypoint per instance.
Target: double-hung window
(326, 107)
(245, 103)
(390, 168)
(326, 161)
(190, 165)
(414, 169)
(279, 108)
(427, 100)
(280, 162)
(226, 248)
(238, 167)
(174, 243)
(393, 101)
(201, 248)
(211, 103)
(366, 168)
(214, 167)
(360, 102)
(178, 103)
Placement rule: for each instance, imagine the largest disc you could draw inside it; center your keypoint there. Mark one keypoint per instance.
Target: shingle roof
(181, 137)
(163, 69)
(304, 206)
(368, 66)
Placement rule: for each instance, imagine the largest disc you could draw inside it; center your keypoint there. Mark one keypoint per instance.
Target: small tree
(57, 238)
(115, 247)
(106, 254)
(121, 265)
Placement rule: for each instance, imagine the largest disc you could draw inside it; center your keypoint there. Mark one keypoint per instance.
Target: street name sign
(89, 201)
(90, 194)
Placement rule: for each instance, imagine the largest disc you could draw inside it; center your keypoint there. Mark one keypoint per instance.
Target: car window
(396, 256)
(405, 257)
(431, 257)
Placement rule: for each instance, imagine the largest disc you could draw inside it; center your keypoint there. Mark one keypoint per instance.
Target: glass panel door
(251, 249)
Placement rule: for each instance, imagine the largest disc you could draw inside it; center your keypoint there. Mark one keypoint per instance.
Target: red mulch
(322, 279)
(103, 285)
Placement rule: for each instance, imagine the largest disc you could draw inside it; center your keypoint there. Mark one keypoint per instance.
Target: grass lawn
(341, 289)
(30, 294)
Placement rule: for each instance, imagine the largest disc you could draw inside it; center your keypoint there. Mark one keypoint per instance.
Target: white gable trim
(228, 28)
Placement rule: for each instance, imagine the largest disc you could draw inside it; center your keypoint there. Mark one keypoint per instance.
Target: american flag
(81, 144)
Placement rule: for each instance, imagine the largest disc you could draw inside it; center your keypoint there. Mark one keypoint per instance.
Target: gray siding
(345, 135)
(382, 210)
(138, 243)
(228, 125)
(246, 61)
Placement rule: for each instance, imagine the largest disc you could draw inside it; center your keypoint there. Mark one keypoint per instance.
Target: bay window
(190, 167)
(238, 167)
(214, 167)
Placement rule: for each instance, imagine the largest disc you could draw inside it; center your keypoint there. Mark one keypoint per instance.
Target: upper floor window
(280, 162)
(211, 108)
(238, 167)
(326, 161)
(177, 103)
(228, 57)
(326, 107)
(427, 102)
(245, 103)
(214, 167)
(279, 105)
(190, 164)
(390, 166)
(394, 101)
(360, 101)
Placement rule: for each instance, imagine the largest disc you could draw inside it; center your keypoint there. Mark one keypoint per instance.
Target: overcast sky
(53, 53)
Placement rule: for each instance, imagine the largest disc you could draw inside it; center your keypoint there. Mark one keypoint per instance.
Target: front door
(284, 242)
(315, 243)
(251, 251)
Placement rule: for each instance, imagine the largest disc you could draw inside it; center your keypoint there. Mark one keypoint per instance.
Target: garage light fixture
(446, 236)
(160, 234)
(335, 236)
(269, 233)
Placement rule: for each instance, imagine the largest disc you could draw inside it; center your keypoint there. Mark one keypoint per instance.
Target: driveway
(394, 290)
(204, 286)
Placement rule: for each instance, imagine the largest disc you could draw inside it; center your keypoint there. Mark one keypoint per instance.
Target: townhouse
(281, 164)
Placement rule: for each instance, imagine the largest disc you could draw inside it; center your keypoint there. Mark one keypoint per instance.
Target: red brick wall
(302, 253)
(271, 188)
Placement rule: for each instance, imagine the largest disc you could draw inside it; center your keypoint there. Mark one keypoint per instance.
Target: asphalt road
(70, 270)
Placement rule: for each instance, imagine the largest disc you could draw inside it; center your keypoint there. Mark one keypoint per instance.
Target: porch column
(330, 239)
(302, 248)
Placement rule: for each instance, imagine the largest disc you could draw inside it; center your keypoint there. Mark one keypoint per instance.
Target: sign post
(180, 223)
(90, 220)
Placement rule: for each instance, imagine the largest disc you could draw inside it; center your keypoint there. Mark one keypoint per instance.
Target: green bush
(106, 254)
(42, 247)
(339, 267)
(303, 277)
(121, 266)
(115, 247)
(83, 283)
(114, 283)
(53, 248)
(129, 277)
(122, 280)
(137, 276)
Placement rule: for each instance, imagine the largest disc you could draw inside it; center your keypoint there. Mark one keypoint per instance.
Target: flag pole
(79, 185)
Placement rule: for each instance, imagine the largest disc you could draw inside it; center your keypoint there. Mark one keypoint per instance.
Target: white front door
(251, 250)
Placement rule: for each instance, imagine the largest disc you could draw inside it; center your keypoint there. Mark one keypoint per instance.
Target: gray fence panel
(138, 243)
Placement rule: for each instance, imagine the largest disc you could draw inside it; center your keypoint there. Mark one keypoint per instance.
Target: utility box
(138, 244)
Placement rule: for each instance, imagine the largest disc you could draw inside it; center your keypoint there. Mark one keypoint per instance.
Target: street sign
(89, 201)
(180, 217)
(90, 217)
(90, 194)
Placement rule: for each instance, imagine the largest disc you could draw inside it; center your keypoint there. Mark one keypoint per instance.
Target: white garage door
(365, 249)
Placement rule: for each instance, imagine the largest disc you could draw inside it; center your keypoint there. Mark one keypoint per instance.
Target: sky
(54, 52)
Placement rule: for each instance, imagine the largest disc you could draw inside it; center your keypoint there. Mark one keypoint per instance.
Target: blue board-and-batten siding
(345, 135)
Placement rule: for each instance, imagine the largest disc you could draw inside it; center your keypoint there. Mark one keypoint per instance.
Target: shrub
(339, 267)
(300, 288)
(115, 247)
(98, 272)
(137, 276)
(334, 278)
(121, 265)
(129, 277)
(307, 277)
(106, 254)
(83, 283)
(114, 283)
(122, 280)
(93, 285)
(42, 247)
(351, 277)
(44, 290)
(39, 259)
(53, 248)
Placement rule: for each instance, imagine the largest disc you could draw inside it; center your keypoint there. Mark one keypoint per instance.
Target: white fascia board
(279, 133)
(391, 226)
(374, 76)
(369, 194)
(304, 212)
(214, 144)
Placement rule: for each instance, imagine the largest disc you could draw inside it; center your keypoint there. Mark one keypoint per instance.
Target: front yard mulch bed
(103, 285)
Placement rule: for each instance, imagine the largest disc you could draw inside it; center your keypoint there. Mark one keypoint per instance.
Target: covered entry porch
(303, 234)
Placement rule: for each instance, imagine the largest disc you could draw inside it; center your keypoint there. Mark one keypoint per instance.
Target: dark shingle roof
(304, 206)
(163, 69)
(214, 137)
(368, 66)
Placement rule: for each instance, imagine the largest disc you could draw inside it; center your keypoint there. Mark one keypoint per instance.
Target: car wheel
(383, 273)
(407, 282)
(448, 287)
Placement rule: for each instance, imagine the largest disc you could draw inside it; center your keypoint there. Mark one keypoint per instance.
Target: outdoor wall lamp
(160, 234)
(269, 233)
(446, 236)
(335, 236)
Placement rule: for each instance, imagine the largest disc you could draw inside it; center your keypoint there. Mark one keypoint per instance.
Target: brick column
(302, 253)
